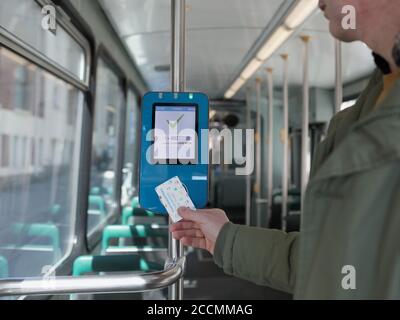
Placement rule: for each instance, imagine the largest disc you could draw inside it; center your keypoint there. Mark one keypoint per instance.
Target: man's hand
(199, 228)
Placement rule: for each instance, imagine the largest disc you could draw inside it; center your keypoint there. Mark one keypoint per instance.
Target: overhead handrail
(91, 284)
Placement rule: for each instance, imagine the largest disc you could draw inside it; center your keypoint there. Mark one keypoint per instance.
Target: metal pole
(305, 122)
(178, 11)
(285, 141)
(338, 76)
(248, 177)
(270, 142)
(178, 39)
(257, 187)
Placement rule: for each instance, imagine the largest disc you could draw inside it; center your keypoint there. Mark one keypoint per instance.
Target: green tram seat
(38, 230)
(294, 205)
(141, 215)
(97, 211)
(34, 245)
(129, 212)
(116, 263)
(97, 203)
(133, 232)
(135, 202)
(3, 267)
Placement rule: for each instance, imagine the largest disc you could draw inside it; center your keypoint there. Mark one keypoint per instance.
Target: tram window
(33, 152)
(14, 152)
(5, 150)
(37, 185)
(21, 86)
(23, 152)
(23, 19)
(109, 99)
(131, 149)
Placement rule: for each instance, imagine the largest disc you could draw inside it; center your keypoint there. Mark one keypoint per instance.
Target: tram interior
(70, 127)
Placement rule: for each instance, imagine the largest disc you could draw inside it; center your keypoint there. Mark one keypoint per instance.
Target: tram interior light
(300, 12)
(251, 68)
(274, 42)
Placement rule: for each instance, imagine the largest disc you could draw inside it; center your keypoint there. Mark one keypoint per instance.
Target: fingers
(189, 214)
(194, 242)
(195, 233)
(183, 225)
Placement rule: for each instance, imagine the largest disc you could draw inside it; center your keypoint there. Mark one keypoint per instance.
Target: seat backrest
(115, 263)
(132, 232)
(231, 191)
(40, 230)
(97, 202)
(3, 267)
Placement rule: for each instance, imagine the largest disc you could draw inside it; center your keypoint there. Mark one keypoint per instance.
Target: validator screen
(174, 132)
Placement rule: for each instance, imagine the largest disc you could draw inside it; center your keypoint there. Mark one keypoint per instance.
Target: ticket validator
(174, 143)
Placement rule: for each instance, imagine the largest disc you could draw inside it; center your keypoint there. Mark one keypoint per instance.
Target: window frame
(131, 87)
(20, 47)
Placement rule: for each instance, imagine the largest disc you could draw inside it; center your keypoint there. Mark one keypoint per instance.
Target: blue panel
(193, 176)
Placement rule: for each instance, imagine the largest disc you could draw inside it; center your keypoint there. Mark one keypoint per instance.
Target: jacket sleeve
(264, 256)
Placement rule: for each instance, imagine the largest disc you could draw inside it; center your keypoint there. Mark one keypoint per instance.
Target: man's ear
(396, 50)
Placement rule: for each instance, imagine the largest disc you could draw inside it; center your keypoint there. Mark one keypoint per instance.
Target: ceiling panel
(357, 60)
(138, 16)
(146, 16)
(219, 35)
(212, 56)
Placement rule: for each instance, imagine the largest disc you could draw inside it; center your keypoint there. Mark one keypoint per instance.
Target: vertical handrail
(178, 12)
(285, 141)
(338, 76)
(305, 121)
(248, 177)
(270, 142)
(257, 187)
(178, 39)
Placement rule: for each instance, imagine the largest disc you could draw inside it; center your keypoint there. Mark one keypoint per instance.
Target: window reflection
(37, 166)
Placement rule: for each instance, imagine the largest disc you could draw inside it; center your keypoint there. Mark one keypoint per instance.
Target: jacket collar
(392, 100)
(381, 63)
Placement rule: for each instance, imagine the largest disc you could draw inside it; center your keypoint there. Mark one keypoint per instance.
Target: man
(349, 245)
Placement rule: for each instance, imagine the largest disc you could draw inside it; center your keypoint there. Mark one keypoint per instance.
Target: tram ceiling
(220, 35)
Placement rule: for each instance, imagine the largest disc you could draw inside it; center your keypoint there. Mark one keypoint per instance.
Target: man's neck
(380, 38)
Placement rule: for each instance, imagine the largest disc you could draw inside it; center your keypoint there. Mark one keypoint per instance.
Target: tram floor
(206, 281)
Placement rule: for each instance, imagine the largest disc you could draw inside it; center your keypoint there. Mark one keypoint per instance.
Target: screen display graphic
(175, 133)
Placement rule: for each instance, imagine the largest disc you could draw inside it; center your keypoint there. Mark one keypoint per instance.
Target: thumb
(188, 214)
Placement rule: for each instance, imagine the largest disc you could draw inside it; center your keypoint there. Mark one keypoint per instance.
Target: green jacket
(351, 214)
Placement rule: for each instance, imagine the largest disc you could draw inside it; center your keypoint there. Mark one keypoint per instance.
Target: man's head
(333, 12)
(369, 15)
